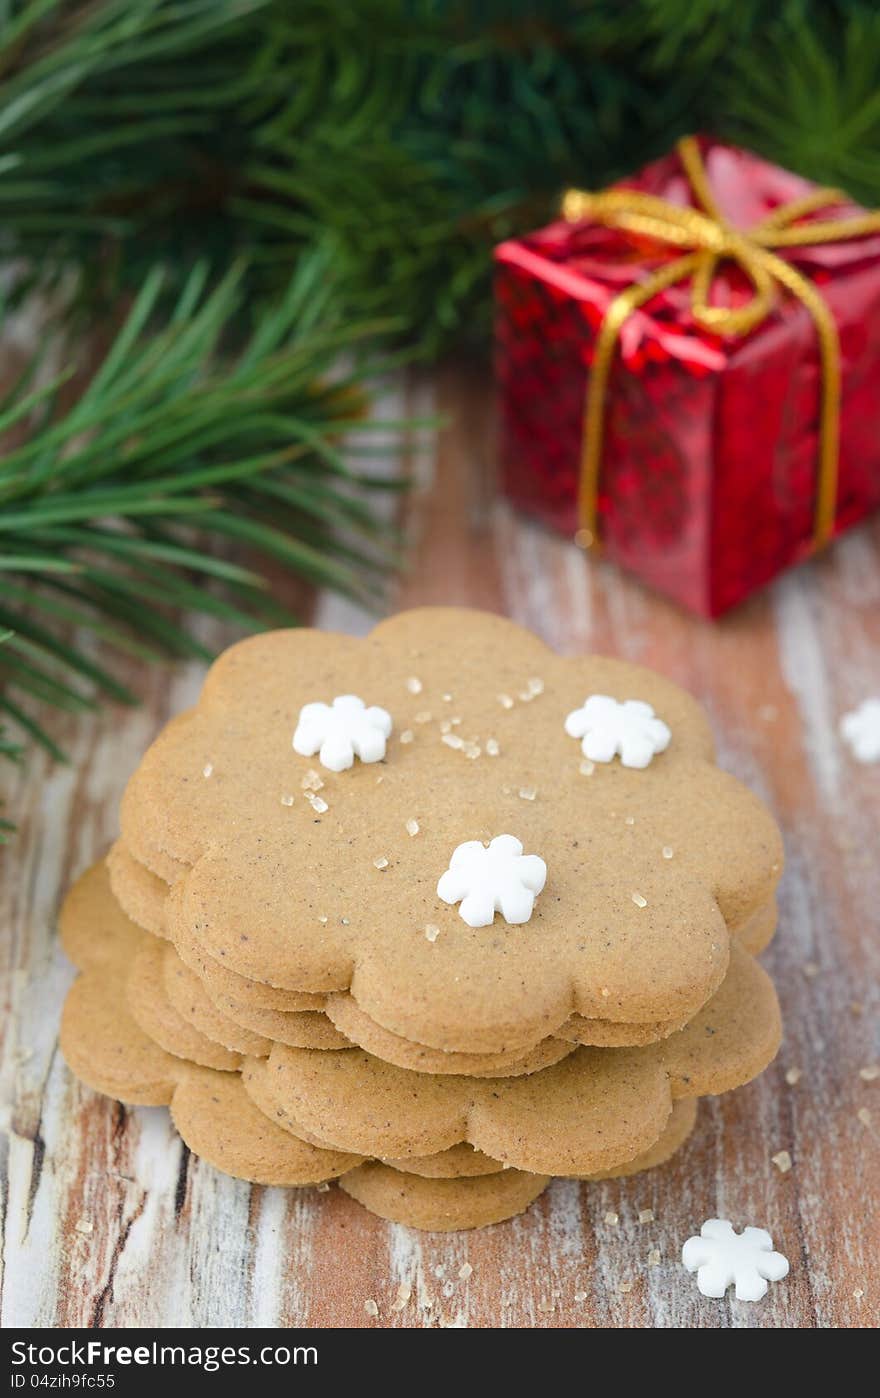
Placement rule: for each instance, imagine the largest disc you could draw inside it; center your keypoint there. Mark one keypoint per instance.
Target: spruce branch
(112, 511)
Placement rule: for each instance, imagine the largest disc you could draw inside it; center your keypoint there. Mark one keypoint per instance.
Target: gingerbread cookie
(308, 878)
(590, 1112)
(144, 897)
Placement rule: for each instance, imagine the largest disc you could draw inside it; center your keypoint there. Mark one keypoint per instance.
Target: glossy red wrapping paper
(708, 480)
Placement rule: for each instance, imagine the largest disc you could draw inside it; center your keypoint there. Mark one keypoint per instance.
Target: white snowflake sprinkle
(722, 1258)
(607, 728)
(861, 731)
(342, 731)
(498, 879)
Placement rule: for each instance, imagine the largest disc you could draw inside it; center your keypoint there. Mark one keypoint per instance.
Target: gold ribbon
(709, 239)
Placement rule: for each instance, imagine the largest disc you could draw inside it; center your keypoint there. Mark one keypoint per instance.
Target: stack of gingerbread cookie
(436, 913)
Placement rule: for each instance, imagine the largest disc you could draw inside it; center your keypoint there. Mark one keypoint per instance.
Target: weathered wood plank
(108, 1221)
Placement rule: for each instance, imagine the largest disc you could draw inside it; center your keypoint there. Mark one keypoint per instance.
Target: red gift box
(718, 441)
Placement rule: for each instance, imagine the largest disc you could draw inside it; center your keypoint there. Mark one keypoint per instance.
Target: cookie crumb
(452, 740)
(605, 992)
(432, 931)
(864, 1116)
(322, 919)
(312, 781)
(793, 1076)
(379, 779)
(625, 1286)
(768, 712)
(857, 1008)
(83, 1225)
(371, 1308)
(471, 749)
(207, 769)
(423, 716)
(412, 827)
(287, 800)
(667, 851)
(535, 686)
(646, 1215)
(546, 1306)
(580, 1296)
(810, 969)
(402, 1299)
(345, 921)
(505, 701)
(858, 1293)
(492, 747)
(629, 820)
(528, 793)
(317, 803)
(654, 1257)
(323, 1187)
(447, 698)
(407, 735)
(381, 862)
(782, 1161)
(465, 1271)
(587, 768)
(870, 1073)
(414, 684)
(611, 1217)
(639, 901)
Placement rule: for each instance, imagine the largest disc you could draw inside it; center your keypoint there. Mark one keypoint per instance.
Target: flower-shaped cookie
(648, 868)
(492, 878)
(587, 1113)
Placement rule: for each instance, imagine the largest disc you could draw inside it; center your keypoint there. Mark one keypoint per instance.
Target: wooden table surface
(108, 1220)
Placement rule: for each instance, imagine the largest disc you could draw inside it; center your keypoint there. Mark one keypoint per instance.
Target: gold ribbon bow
(710, 239)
